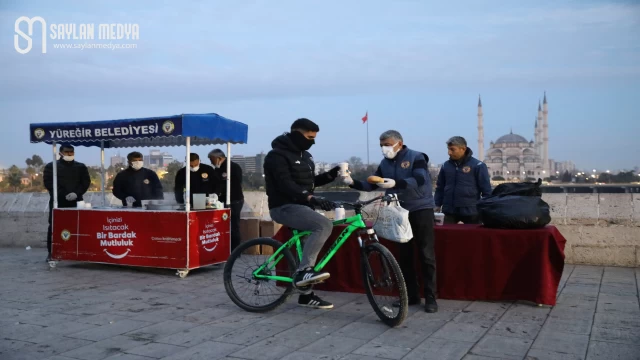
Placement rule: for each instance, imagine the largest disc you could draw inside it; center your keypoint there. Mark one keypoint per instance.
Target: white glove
(130, 200)
(387, 184)
(347, 180)
(71, 196)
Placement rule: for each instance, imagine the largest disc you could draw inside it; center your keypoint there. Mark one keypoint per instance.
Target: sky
(415, 66)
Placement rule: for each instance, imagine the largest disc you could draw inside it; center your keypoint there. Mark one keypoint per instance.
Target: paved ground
(88, 311)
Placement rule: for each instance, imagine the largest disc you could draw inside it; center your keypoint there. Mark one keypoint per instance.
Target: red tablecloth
(472, 263)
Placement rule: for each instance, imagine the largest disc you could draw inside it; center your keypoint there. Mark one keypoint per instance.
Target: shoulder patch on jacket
(405, 164)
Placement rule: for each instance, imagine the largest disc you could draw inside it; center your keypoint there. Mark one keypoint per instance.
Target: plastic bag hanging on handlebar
(393, 223)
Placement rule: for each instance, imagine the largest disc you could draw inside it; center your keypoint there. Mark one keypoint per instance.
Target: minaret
(539, 132)
(545, 133)
(536, 137)
(480, 131)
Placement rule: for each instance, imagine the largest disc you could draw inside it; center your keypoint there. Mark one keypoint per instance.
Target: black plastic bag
(522, 189)
(514, 212)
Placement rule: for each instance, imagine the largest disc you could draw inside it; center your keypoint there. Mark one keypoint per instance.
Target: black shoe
(313, 301)
(308, 277)
(412, 301)
(48, 258)
(430, 304)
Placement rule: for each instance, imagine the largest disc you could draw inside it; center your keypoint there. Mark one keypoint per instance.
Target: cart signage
(143, 238)
(106, 130)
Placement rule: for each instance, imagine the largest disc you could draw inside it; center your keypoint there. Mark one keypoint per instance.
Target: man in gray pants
(289, 173)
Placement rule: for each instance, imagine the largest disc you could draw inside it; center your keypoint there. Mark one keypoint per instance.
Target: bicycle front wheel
(384, 283)
(258, 294)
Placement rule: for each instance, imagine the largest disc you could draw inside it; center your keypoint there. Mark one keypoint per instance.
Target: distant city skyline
(415, 66)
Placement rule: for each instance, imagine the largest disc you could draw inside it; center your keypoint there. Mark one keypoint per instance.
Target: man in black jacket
(202, 179)
(73, 183)
(219, 162)
(290, 181)
(136, 183)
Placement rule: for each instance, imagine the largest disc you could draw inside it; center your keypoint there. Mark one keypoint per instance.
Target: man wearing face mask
(219, 162)
(461, 182)
(136, 183)
(201, 181)
(73, 183)
(290, 179)
(406, 174)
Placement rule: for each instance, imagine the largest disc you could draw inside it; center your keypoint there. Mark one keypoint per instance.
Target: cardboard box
(249, 230)
(268, 229)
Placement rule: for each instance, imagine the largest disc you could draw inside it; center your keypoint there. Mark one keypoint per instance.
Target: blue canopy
(204, 129)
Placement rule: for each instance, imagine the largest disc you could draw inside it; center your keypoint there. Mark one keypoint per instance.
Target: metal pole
(187, 200)
(104, 198)
(55, 177)
(368, 139)
(228, 201)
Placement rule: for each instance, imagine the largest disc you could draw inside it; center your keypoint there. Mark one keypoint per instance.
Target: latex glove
(130, 200)
(334, 172)
(71, 196)
(322, 203)
(438, 209)
(387, 184)
(347, 180)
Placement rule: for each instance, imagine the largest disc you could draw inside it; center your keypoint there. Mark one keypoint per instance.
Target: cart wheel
(52, 264)
(182, 273)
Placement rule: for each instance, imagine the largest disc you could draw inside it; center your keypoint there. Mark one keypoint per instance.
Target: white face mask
(136, 165)
(68, 157)
(388, 151)
(194, 169)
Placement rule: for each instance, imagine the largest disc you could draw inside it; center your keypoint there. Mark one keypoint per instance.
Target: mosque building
(512, 156)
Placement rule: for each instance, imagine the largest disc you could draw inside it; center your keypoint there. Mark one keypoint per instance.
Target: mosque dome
(511, 138)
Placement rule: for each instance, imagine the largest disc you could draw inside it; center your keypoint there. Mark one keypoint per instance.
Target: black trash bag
(514, 212)
(522, 189)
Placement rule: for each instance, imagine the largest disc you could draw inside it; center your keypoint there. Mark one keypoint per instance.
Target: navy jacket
(410, 171)
(460, 185)
(142, 184)
(202, 182)
(73, 177)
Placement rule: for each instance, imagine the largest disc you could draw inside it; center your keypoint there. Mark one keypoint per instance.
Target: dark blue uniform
(460, 185)
(141, 184)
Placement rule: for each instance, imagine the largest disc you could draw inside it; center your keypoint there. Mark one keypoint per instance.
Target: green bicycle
(267, 277)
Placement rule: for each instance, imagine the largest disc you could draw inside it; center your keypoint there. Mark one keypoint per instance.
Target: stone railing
(601, 229)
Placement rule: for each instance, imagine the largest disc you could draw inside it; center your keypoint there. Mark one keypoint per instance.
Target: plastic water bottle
(339, 213)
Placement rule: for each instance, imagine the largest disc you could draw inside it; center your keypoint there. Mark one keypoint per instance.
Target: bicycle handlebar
(392, 197)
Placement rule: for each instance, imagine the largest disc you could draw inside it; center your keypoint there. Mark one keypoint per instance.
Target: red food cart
(176, 237)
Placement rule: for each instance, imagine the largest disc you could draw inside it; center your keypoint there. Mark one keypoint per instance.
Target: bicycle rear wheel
(384, 284)
(250, 293)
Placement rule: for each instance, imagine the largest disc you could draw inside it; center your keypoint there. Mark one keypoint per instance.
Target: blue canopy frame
(175, 130)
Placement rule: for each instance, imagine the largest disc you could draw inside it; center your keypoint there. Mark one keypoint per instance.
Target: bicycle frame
(355, 223)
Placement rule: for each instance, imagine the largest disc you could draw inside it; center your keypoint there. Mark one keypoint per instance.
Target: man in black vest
(137, 183)
(73, 183)
(236, 196)
(201, 182)
(290, 179)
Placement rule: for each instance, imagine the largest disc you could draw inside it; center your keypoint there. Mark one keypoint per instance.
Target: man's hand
(334, 172)
(130, 199)
(347, 180)
(322, 203)
(438, 209)
(71, 196)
